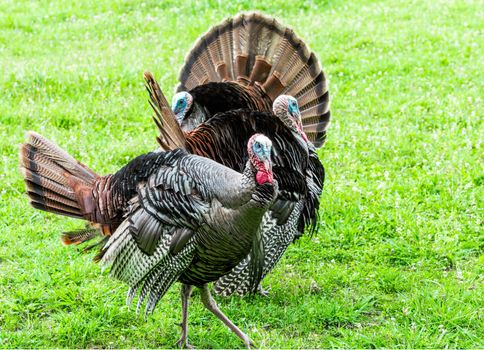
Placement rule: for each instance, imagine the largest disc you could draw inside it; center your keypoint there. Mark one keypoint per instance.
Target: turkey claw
(249, 344)
(262, 292)
(183, 343)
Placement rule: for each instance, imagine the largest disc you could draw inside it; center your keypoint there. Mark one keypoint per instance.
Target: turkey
(277, 237)
(247, 62)
(299, 172)
(178, 216)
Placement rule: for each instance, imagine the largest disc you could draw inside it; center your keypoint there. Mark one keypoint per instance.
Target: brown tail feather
(61, 157)
(171, 135)
(49, 188)
(53, 207)
(254, 49)
(80, 236)
(55, 181)
(43, 196)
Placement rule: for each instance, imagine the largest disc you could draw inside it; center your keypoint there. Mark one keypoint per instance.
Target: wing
(141, 254)
(315, 180)
(176, 191)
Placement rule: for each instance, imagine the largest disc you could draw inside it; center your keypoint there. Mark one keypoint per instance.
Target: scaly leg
(186, 292)
(211, 305)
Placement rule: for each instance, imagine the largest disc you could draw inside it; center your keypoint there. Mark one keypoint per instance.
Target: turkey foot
(261, 291)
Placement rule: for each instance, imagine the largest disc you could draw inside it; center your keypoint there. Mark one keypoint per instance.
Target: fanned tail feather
(55, 181)
(254, 49)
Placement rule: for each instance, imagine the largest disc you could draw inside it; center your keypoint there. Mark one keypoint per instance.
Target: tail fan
(171, 135)
(55, 181)
(253, 49)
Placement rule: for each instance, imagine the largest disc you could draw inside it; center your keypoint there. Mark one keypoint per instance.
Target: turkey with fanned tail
(278, 236)
(247, 62)
(177, 214)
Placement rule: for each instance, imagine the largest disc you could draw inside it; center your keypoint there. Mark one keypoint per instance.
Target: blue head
(180, 104)
(259, 149)
(293, 107)
(286, 108)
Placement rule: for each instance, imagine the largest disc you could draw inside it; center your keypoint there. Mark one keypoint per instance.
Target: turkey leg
(186, 292)
(211, 305)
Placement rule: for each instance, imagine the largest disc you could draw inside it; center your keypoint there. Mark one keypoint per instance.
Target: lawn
(398, 260)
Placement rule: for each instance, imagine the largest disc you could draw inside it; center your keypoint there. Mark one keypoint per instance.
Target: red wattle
(305, 137)
(263, 176)
(303, 134)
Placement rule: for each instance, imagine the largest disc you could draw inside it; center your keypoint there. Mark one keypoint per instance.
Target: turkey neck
(194, 117)
(244, 205)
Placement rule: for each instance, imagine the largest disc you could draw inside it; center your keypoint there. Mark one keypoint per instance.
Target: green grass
(398, 261)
